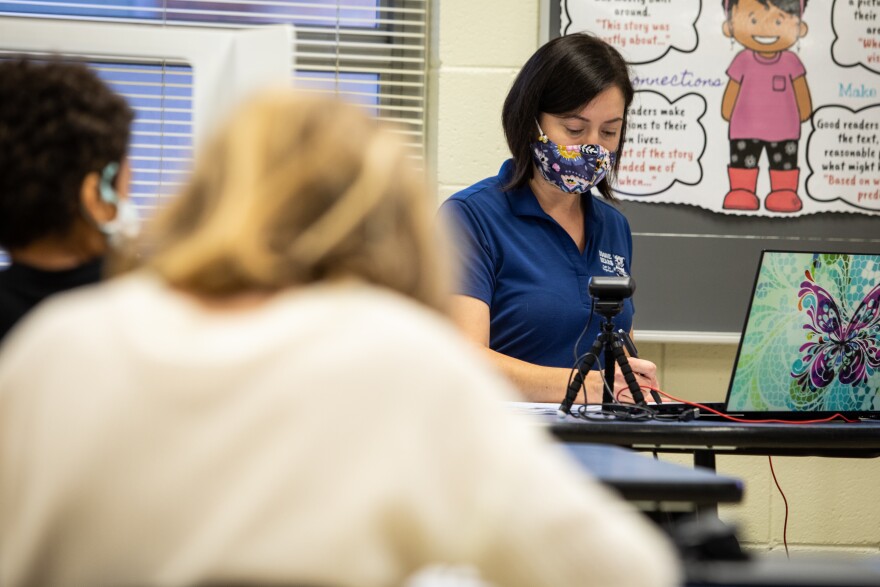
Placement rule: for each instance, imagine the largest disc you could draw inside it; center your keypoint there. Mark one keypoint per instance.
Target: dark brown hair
(58, 123)
(561, 77)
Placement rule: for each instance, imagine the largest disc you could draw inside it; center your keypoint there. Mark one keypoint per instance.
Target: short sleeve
(737, 68)
(795, 66)
(476, 262)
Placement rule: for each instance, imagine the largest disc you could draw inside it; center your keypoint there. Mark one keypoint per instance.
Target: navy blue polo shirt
(529, 271)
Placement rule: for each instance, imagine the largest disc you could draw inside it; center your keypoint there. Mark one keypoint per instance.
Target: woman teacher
(532, 236)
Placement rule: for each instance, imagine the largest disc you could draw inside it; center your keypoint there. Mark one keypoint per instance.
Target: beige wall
(477, 49)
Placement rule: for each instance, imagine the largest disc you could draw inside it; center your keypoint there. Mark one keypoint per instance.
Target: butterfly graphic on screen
(838, 346)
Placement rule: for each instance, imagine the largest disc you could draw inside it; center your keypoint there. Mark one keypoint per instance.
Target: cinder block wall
(477, 49)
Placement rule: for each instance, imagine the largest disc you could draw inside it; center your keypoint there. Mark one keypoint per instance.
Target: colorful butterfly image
(839, 345)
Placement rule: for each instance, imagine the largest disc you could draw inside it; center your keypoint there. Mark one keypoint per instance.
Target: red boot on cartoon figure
(742, 189)
(783, 191)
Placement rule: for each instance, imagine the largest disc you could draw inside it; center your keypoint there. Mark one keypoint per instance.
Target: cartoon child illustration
(766, 100)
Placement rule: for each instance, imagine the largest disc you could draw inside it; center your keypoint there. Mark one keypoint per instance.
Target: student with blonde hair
(271, 399)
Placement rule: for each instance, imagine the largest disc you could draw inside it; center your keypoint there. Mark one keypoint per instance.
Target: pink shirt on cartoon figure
(766, 107)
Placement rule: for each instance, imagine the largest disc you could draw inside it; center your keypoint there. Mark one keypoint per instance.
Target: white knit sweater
(334, 435)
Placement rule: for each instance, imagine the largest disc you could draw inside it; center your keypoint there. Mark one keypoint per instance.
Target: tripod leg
(632, 384)
(582, 369)
(607, 336)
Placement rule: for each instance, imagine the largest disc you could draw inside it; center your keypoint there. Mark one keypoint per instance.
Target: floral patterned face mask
(574, 168)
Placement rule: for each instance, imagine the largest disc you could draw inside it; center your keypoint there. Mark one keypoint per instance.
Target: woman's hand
(646, 376)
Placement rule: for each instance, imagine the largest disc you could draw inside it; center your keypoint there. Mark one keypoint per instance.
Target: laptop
(811, 341)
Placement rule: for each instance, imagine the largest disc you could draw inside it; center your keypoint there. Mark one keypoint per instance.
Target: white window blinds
(160, 151)
(372, 52)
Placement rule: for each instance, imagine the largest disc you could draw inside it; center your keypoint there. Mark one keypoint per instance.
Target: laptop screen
(811, 341)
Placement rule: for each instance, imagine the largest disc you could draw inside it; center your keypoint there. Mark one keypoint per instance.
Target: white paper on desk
(541, 409)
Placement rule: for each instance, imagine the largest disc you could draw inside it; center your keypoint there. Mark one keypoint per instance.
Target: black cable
(619, 411)
(580, 360)
(577, 343)
(604, 384)
(573, 375)
(622, 412)
(616, 411)
(629, 413)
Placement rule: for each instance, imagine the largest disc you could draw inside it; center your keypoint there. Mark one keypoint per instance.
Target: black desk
(834, 440)
(658, 484)
(801, 571)
(705, 439)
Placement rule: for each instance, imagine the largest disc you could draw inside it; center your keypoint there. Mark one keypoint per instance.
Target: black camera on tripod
(609, 294)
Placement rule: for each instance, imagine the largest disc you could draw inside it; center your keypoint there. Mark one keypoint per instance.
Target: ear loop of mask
(126, 224)
(543, 136)
(105, 185)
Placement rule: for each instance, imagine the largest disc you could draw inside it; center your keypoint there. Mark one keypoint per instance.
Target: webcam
(612, 289)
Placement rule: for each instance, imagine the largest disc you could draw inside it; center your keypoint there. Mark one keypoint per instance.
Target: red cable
(748, 421)
(785, 501)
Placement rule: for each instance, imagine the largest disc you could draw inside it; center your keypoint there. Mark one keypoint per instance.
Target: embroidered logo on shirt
(619, 265)
(613, 264)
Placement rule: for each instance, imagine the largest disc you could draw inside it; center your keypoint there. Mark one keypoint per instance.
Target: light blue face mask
(574, 169)
(127, 223)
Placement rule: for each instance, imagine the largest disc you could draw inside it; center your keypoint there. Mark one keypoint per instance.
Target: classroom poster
(801, 132)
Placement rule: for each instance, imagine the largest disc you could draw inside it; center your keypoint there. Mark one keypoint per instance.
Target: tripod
(608, 341)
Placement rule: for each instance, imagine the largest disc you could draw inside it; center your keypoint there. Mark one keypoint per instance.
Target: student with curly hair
(63, 141)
